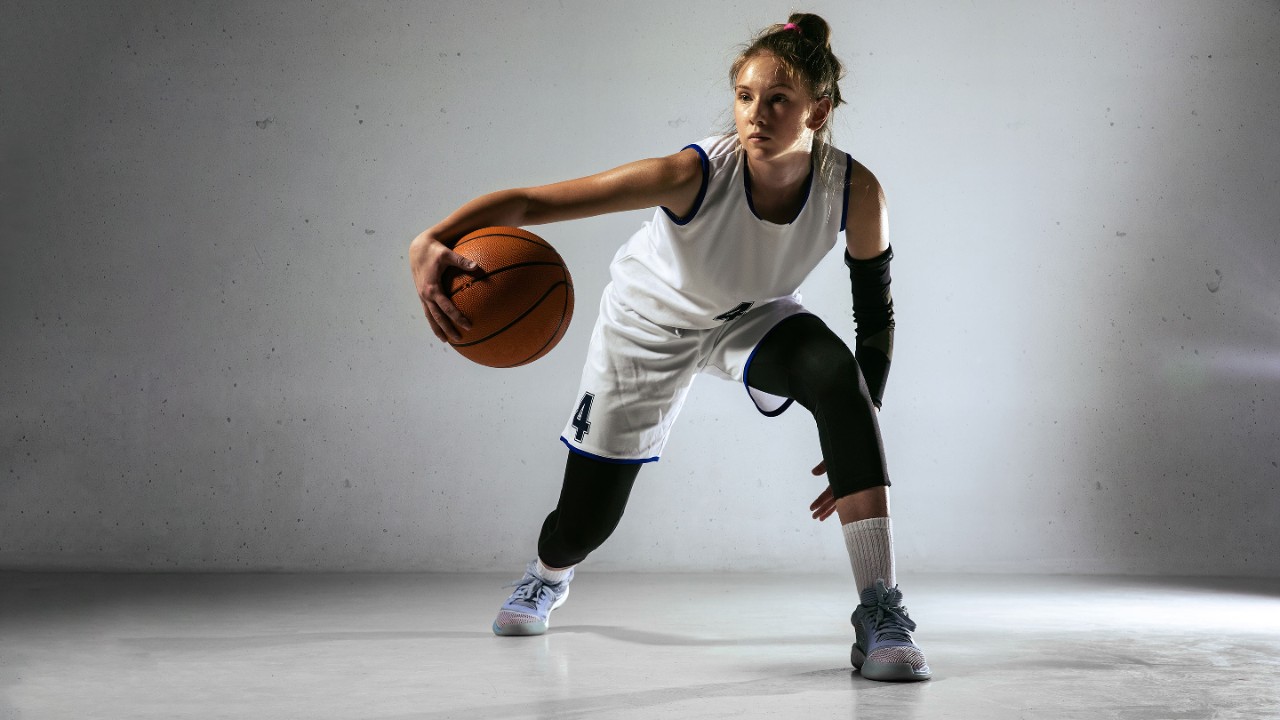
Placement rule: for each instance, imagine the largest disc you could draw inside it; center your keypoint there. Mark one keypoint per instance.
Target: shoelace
(530, 592)
(891, 621)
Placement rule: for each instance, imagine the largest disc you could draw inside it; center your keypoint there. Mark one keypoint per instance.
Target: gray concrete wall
(213, 358)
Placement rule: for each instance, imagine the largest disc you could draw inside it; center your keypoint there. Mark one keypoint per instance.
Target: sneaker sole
(527, 629)
(520, 630)
(893, 672)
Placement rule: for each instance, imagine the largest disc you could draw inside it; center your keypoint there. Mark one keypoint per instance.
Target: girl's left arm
(867, 224)
(868, 254)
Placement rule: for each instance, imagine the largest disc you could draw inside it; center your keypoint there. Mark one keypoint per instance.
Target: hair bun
(812, 27)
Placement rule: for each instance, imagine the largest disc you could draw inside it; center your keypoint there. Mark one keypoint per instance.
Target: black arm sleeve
(873, 318)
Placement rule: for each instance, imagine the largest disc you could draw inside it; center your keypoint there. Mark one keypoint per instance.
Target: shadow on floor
(644, 637)
(899, 699)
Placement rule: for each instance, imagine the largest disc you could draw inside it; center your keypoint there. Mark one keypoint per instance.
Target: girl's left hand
(825, 505)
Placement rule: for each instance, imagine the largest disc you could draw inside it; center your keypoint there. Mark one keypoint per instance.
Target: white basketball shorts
(637, 375)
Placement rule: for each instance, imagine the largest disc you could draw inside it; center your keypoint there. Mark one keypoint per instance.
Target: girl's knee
(830, 373)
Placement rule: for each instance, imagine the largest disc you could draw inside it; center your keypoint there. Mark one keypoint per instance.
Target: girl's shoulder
(719, 146)
(861, 181)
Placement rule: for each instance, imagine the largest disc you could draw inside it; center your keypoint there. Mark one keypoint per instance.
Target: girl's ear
(821, 111)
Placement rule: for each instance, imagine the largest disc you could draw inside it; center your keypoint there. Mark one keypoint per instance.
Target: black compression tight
(592, 499)
(801, 359)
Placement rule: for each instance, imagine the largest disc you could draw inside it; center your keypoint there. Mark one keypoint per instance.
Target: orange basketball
(519, 299)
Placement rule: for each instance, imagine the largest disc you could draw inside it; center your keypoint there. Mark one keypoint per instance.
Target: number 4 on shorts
(581, 416)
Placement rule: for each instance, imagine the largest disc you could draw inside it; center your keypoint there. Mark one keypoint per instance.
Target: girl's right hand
(428, 260)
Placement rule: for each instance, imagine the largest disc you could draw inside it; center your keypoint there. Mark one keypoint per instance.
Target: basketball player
(708, 285)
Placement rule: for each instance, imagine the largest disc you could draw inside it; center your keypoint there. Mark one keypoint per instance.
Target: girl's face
(772, 110)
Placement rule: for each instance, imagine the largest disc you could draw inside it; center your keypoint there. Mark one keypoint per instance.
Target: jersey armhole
(848, 178)
(702, 190)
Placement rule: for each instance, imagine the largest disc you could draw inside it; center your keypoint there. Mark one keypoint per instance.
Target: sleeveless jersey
(710, 266)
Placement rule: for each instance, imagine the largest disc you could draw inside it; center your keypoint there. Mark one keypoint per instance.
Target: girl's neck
(781, 177)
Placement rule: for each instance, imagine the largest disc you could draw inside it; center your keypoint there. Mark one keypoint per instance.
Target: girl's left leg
(801, 358)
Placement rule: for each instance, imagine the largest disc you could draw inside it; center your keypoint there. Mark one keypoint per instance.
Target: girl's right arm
(672, 181)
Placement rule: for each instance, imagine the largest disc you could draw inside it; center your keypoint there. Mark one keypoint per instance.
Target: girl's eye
(744, 98)
(779, 98)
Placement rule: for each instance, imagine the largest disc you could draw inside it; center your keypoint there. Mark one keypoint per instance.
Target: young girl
(709, 285)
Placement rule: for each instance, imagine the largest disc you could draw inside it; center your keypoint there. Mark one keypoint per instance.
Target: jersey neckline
(746, 186)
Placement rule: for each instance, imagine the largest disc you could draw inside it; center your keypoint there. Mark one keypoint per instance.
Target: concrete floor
(649, 646)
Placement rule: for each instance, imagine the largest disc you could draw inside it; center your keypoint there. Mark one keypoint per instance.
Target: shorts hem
(602, 458)
(776, 411)
(746, 370)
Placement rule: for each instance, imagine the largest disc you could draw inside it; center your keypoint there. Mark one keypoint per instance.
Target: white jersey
(709, 267)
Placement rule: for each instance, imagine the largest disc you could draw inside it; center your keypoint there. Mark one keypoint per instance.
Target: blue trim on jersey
(601, 458)
(848, 177)
(746, 182)
(746, 370)
(702, 191)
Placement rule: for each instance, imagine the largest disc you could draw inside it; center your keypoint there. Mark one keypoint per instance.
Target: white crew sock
(552, 576)
(870, 544)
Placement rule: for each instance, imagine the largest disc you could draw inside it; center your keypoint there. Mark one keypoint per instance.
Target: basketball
(519, 299)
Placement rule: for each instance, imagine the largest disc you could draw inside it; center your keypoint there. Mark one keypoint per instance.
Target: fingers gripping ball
(519, 299)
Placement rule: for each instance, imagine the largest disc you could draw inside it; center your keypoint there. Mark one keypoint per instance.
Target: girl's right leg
(592, 499)
(635, 378)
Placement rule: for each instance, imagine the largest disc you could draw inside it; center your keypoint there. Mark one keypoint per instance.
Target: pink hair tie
(792, 26)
